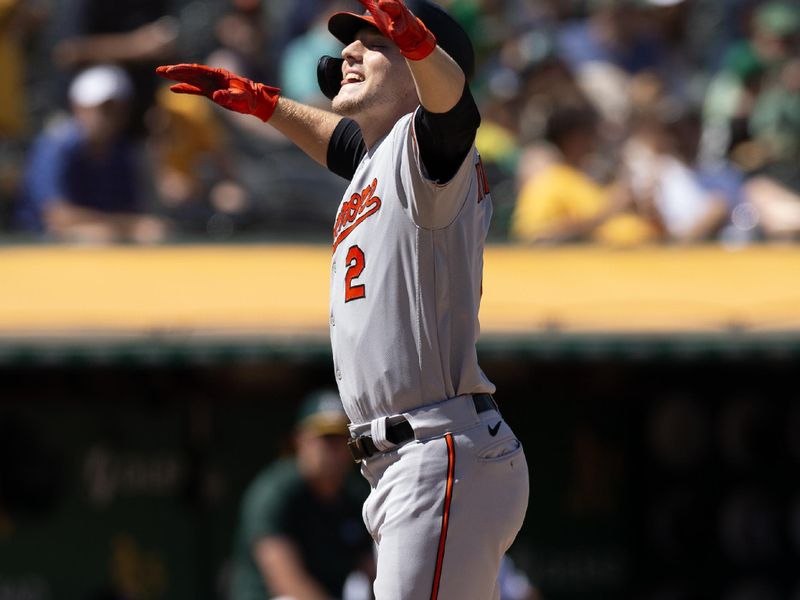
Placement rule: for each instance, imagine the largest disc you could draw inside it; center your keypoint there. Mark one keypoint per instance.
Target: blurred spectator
(660, 157)
(18, 21)
(243, 42)
(612, 34)
(490, 23)
(526, 83)
(293, 19)
(299, 62)
(606, 50)
(683, 28)
(730, 100)
(777, 208)
(194, 167)
(561, 202)
(775, 126)
(13, 117)
(81, 179)
(749, 109)
(244, 46)
(136, 34)
(497, 138)
(300, 530)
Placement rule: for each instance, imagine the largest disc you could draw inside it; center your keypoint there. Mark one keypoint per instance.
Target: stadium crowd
(621, 122)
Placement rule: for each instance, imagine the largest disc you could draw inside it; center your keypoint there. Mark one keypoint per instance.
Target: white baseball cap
(99, 84)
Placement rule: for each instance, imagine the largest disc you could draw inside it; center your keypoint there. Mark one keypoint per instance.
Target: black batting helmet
(449, 35)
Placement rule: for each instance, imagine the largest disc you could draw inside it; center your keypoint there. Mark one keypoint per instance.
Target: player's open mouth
(352, 78)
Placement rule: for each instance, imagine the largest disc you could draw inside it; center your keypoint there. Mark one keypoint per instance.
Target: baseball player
(449, 478)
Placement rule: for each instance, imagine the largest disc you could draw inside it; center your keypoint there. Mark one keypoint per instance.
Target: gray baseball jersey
(406, 281)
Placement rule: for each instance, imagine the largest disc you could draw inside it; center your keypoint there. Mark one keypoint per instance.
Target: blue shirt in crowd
(578, 45)
(60, 166)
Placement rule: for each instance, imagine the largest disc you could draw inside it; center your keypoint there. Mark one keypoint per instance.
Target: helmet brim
(345, 25)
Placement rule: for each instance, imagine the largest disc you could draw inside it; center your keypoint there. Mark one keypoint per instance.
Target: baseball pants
(445, 507)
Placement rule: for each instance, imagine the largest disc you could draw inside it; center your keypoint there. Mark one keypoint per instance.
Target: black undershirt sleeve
(346, 148)
(445, 138)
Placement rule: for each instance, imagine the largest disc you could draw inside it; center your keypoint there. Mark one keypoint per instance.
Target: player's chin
(347, 103)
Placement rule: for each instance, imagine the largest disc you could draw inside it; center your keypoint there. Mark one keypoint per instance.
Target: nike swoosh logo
(493, 430)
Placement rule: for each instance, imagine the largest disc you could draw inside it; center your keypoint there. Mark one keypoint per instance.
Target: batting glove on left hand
(400, 25)
(223, 87)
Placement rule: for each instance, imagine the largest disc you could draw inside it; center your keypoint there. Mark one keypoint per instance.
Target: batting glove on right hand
(399, 24)
(223, 87)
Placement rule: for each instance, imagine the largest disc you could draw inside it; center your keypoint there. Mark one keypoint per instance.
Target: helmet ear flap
(329, 75)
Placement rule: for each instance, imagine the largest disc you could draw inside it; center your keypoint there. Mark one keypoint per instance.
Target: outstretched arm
(308, 127)
(439, 80)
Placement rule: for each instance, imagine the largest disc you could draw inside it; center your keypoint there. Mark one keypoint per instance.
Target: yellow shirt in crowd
(560, 195)
(13, 119)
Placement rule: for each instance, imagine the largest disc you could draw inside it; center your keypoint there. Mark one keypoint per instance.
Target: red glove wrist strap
(267, 98)
(422, 49)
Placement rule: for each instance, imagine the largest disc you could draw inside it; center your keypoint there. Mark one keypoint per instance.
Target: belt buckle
(356, 446)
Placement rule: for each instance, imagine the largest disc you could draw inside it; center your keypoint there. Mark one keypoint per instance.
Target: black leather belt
(362, 447)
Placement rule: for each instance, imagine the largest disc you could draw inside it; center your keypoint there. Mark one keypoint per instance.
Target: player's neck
(375, 127)
(373, 131)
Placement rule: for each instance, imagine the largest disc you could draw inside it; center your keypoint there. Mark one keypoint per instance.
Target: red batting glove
(401, 26)
(223, 87)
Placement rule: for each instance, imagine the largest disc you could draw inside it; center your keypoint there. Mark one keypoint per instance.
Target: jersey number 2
(355, 266)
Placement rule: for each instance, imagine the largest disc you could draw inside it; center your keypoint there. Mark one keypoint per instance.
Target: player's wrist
(266, 99)
(422, 50)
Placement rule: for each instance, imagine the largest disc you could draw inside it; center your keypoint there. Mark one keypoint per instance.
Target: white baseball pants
(446, 506)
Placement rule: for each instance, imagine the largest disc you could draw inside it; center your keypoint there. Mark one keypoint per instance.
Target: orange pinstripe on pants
(448, 496)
